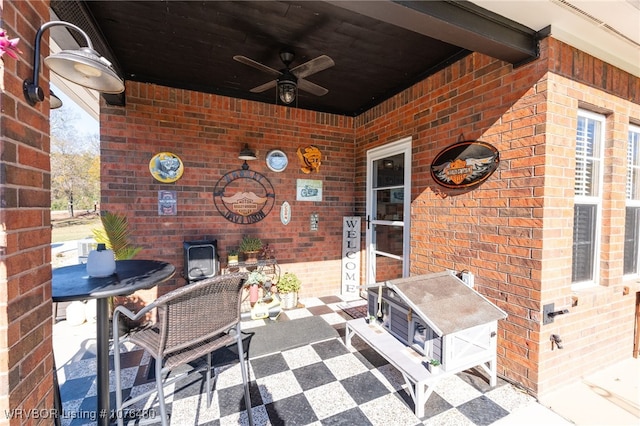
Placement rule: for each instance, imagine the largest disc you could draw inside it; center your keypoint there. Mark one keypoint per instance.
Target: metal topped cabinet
(441, 318)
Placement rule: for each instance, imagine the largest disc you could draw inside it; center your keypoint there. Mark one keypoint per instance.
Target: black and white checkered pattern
(323, 383)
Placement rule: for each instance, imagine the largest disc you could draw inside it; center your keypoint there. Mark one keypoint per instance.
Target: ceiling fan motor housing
(287, 57)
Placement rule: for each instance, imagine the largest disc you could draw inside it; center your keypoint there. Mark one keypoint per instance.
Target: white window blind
(587, 186)
(632, 212)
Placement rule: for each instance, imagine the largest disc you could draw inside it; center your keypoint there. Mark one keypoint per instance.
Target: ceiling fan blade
(312, 88)
(264, 87)
(313, 66)
(256, 65)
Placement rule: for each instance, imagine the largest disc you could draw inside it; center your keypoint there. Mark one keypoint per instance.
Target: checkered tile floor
(323, 383)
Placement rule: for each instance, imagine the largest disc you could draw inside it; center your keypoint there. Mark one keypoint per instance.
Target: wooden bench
(411, 364)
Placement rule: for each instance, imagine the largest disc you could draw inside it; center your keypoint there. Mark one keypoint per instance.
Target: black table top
(71, 283)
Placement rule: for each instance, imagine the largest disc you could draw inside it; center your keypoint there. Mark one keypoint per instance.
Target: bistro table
(71, 283)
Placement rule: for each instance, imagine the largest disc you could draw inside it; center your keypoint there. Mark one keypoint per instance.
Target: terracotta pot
(251, 256)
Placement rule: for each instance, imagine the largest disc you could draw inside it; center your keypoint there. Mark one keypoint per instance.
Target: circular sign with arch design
(244, 196)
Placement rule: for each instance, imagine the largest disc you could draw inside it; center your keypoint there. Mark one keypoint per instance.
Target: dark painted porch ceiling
(379, 48)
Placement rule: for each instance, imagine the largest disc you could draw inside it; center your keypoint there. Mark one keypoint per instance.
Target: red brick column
(26, 360)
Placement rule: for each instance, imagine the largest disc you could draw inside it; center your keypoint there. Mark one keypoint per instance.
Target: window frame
(629, 201)
(591, 200)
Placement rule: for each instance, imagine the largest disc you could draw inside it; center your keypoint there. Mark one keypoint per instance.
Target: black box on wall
(200, 260)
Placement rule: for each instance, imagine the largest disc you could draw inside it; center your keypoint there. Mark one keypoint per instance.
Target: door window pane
(387, 268)
(388, 239)
(390, 204)
(389, 171)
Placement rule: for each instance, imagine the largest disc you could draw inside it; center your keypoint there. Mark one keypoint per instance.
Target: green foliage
(256, 278)
(232, 251)
(250, 244)
(288, 283)
(434, 362)
(75, 162)
(115, 234)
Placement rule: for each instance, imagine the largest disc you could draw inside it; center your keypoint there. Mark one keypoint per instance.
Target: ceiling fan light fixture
(287, 88)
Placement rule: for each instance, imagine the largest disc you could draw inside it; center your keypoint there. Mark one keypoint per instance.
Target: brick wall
(26, 360)
(514, 232)
(207, 132)
(600, 327)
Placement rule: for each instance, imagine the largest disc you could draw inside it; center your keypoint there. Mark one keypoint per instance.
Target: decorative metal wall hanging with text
(465, 164)
(244, 196)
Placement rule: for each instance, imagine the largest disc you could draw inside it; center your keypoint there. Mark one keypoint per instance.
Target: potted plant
(232, 256)
(288, 286)
(115, 235)
(250, 246)
(254, 280)
(434, 366)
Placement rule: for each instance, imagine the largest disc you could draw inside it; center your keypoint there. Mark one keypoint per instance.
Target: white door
(388, 211)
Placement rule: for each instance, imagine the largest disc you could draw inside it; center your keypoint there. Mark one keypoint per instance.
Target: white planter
(434, 369)
(288, 300)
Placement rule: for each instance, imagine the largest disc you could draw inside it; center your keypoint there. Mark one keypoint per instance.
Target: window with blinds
(632, 216)
(587, 187)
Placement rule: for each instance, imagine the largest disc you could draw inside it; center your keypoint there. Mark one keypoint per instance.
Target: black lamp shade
(247, 154)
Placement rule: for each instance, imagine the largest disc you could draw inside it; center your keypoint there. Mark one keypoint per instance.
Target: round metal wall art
(244, 196)
(465, 164)
(166, 167)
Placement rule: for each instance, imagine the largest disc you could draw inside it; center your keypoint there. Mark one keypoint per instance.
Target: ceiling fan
(288, 80)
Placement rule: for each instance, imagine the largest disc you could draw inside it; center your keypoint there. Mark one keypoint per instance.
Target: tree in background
(75, 163)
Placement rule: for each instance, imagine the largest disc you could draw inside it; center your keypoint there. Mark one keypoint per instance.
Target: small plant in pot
(255, 279)
(232, 256)
(288, 286)
(250, 246)
(433, 366)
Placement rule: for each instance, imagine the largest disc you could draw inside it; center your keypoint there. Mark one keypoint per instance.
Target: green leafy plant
(256, 278)
(288, 283)
(115, 235)
(233, 251)
(434, 362)
(249, 244)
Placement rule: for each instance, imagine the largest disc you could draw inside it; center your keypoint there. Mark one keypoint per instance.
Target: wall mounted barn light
(83, 66)
(247, 154)
(54, 101)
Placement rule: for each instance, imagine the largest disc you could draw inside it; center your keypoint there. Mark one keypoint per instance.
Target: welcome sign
(350, 255)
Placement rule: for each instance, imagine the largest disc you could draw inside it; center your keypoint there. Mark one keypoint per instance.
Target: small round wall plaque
(277, 160)
(166, 167)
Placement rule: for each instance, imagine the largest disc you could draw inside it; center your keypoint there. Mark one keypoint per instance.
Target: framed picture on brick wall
(167, 203)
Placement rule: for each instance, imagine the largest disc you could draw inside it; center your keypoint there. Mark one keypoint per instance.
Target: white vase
(101, 262)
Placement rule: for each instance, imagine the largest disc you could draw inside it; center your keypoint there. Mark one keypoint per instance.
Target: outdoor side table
(72, 283)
